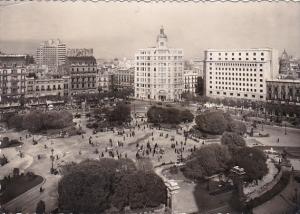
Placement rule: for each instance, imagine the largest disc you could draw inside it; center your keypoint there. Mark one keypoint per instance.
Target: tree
(40, 207)
(237, 126)
(121, 114)
(233, 141)
(207, 161)
(186, 116)
(253, 161)
(168, 115)
(213, 122)
(140, 190)
(87, 187)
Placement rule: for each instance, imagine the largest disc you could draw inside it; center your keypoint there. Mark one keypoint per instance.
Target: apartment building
(12, 76)
(83, 73)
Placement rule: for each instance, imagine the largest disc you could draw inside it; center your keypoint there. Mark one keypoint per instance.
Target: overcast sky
(119, 29)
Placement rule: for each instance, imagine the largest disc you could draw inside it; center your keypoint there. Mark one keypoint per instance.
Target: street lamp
(52, 160)
(285, 129)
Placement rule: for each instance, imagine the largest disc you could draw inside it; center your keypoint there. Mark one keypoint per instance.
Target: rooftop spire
(162, 30)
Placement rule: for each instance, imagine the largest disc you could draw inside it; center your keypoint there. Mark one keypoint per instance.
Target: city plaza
(122, 143)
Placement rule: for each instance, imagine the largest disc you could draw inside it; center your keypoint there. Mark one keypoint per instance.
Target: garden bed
(283, 182)
(18, 185)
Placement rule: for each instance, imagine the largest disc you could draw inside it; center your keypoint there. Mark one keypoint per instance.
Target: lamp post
(285, 129)
(52, 160)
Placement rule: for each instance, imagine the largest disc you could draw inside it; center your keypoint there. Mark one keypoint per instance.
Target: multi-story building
(159, 71)
(51, 53)
(103, 80)
(283, 91)
(124, 78)
(190, 80)
(12, 76)
(289, 67)
(239, 73)
(198, 66)
(44, 87)
(83, 73)
(80, 52)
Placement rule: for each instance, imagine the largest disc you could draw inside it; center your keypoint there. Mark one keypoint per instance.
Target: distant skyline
(119, 29)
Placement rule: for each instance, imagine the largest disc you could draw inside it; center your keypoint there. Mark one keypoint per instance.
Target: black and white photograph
(156, 107)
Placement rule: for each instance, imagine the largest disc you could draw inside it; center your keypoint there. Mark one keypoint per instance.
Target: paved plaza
(81, 147)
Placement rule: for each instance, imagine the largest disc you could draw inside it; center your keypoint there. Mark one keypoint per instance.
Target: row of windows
(240, 79)
(159, 58)
(238, 89)
(236, 64)
(74, 86)
(37, 88)
(232, 83)
(84, 69)
(236, 69)
(240, 59)
(236, 74)
(238, 94)
(81, 79)
(240, 54)
(149, 52)
(158, 64)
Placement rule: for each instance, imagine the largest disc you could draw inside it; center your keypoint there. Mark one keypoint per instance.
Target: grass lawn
(19, 185)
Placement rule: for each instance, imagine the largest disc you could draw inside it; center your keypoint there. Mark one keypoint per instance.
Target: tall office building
(239, 73)
(51, 53)
(159, 71)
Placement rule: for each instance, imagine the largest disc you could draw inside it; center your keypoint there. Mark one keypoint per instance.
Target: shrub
(213, 122)
(168, 115)
(207, 161)
(233, 140)
(140, 189)
(38, 121)
(237, 126)
(120, 114)
(88, 187)
(253, 161)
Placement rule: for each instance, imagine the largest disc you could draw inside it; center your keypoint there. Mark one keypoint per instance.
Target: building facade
(12, 76)
(284, 91)
(289, 67)
(44, 87)
(51, 53)
(83, 73)
(79, 52)
(190, 81)
(158, 72)
(239, 73)
(124, 78)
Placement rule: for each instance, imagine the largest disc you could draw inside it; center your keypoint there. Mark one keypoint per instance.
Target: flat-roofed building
(239, 73)
(83, 73)
(44, 87)
(283, 91)
(12, 76)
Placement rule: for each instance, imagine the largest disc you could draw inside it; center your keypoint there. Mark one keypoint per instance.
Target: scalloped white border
(10, 2)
